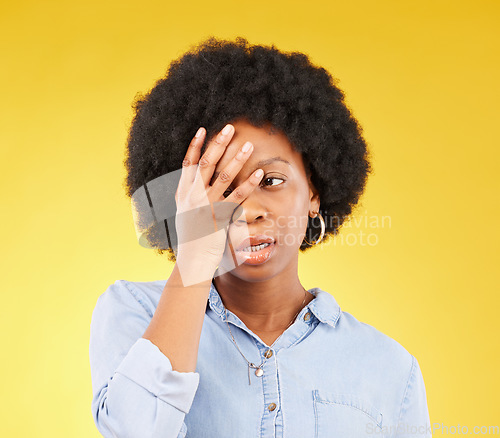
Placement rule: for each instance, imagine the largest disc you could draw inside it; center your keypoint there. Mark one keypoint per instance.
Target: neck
(265, 307)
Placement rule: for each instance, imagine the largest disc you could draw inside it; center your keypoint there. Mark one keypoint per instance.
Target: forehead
(268, 142)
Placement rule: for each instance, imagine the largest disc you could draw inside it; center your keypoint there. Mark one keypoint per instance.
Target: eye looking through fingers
(266, 178)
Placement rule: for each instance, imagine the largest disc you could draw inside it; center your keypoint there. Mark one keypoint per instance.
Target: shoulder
(137, 295)
(360, 344)
(366, 333)
(122, 313)
(386, 358)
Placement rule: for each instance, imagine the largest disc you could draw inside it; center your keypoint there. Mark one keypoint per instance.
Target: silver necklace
(258, 368)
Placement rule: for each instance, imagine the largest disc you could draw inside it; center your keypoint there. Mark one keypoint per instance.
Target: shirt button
(268, 354)
(307, 316)
(272, 407)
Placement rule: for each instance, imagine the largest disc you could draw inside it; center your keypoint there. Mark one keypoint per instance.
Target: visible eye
(228, 191)
(272, 177)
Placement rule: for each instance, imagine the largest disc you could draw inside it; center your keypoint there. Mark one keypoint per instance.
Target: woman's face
(277, 208)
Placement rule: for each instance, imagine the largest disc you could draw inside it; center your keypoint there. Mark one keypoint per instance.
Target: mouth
(256, 250)
(253, 243)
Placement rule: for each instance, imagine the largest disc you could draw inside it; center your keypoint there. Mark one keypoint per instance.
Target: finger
(215, 149)
(190, 162)
(241, 192)
(226, 175)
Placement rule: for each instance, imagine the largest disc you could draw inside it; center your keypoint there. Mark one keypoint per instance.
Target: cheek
(291, 227)
(298, 216)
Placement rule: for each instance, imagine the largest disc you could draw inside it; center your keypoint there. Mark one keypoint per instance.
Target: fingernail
(226, 129)
(199, 132)
(246, 147)
(258, 173)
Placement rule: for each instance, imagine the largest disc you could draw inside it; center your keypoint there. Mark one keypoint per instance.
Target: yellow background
(421, 77)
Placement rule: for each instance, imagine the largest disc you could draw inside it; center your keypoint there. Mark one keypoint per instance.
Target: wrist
(195, 270)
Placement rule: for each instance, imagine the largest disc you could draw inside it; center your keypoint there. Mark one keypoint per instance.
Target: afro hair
(219, 81)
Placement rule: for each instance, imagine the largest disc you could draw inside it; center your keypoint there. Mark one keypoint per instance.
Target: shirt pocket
(345, 416)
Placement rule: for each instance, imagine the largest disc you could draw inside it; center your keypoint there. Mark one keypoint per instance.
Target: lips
(254, 240)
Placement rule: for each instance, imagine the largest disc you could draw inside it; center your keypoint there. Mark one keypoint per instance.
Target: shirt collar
(324, 306)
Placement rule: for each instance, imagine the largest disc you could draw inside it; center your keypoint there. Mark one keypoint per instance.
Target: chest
(303, 392)
(268, 337)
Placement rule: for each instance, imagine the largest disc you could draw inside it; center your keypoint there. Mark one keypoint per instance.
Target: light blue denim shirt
(328, 375)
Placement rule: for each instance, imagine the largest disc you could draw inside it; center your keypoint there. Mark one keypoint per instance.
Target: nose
(252, 210)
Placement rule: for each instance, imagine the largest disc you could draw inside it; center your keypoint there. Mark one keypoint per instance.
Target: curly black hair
(219, 81)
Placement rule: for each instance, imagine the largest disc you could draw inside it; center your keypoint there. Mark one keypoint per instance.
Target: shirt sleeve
(136, 393)
(414, 421)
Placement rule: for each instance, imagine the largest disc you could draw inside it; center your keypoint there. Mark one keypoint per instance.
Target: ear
(314, 201)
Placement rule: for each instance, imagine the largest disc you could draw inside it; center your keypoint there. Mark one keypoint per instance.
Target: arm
(144, 387)
(136, 393)
(414, 418)
(176, 325)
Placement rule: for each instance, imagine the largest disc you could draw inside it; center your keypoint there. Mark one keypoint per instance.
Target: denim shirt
(328, 375)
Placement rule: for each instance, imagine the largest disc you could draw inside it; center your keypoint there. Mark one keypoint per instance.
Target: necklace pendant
(259, 372)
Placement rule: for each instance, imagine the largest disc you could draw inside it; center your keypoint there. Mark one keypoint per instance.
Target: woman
(232, 345)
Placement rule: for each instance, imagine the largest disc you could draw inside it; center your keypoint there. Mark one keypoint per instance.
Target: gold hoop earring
(322, 230)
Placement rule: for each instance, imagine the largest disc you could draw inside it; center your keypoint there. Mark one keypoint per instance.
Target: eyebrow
(261, 163)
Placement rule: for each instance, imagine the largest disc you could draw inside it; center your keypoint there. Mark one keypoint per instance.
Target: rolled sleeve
(136, 394)
(147, 366)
